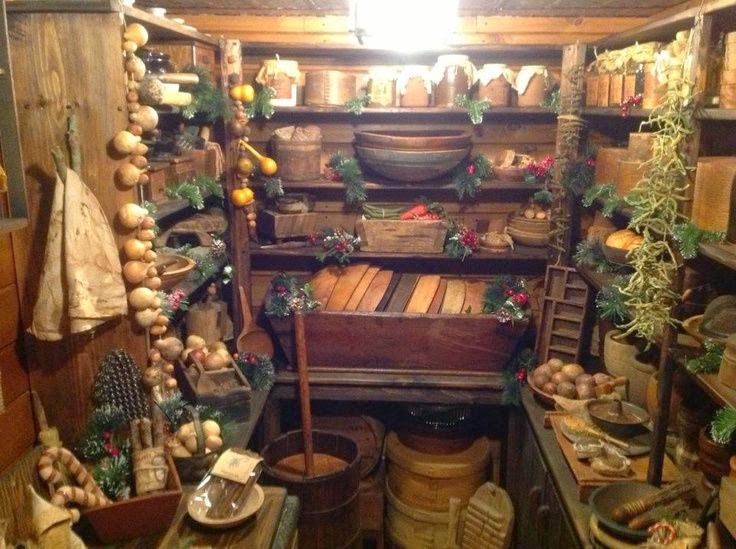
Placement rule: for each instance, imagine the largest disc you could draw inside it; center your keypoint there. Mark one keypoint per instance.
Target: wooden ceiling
(467, 7)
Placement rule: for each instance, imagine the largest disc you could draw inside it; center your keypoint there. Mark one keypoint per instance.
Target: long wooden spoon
(252, 339)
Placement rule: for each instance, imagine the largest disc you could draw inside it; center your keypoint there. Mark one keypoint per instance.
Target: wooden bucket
(712, 194)
(630, 172)
(330, 512)
(329, 88)
(297, 160)
(367, 433)
(640, 146)
(604, 89)
(653, 89)
(606, 164)
(591, 90)
(428, 481)
(411, 528)
(620, 360)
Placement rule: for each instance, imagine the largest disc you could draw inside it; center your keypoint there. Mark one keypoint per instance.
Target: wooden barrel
(330, 512)
(428, 481)
(368, 433)
(606, 164)
(714, 180)
(297, 160)
(327, 88)
(411, 528)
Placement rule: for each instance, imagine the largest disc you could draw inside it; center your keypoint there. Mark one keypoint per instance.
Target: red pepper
(414, 212)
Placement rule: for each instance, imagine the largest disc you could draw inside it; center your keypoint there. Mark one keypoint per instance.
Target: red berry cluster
(471, 168)
(109, 445)
(543, 169)
(341, 246)
(521, 298)
(468, 238)
(521, 375)
(630, 102)
(332, 174)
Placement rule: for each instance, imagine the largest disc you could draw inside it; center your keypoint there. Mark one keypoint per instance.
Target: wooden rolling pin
(186, 78)
(626, 511)
(153, 92)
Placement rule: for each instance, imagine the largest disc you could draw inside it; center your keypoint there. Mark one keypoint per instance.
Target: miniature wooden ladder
(488, 520)
(306, 409)
(563, 315)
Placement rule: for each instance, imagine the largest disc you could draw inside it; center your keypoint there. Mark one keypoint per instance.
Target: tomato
(242, 197)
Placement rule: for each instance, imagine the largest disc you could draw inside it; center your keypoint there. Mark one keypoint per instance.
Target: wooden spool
(712, 194)
(630, 172)
(606, 164)
(297, 160)
(591, 90)
(328, 88)
(330, 515)
(428, 481)
(640, 146)
(412, 528)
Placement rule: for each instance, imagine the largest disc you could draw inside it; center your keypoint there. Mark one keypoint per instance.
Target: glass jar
(452, 75)
(494, 84)
(282, 75)
(414, 86)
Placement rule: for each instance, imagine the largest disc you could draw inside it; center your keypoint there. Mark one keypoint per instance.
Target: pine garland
(258, 370)
(723, 426)
(709, 362)
(468, 177)
(461, 241)
(346, 169)
(688, 237)
(476, 107)
(286, 296)
(118, 384)
(261, 105)
(606, 194)
(337, 244)
(357, 104)
(207, 100)
(104, 419)
(590, 254)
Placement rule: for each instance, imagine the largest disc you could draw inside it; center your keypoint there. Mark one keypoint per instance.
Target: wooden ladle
(252, 338)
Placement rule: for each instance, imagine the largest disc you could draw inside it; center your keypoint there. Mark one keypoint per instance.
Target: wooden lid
(465, 463)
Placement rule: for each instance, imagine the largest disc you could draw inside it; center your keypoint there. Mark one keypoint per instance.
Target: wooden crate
(393, 235)
(277, 226)
(421, 343)
(232, 398)
(162, 175)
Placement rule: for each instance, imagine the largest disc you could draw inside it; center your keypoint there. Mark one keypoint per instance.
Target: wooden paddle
(323, 282)
(402, 293)
(361, 288)
(454, 297)
(252, 339)
(474, 290)
(375, 292)
(345, 286)
(423, 295)
(306, 409)
(439, 296)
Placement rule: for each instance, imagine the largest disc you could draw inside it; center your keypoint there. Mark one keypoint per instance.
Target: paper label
(236, 465)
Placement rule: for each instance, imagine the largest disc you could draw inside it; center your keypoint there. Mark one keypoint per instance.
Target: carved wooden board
(362, 288)
(423, 295)
(345, 286)
(375, 292)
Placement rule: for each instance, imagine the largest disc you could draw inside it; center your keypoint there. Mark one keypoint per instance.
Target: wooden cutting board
(439, 296)
(375, 292)
(474, 290)
(588, 480)
(389, 292)
(423, 295)
(361, 288)
(402, 293)
(345, 286)
(323, 282)
(454, 297)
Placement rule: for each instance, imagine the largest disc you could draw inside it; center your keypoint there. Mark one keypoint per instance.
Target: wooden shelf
(492, 113)
(175, 206)
(615, 112)
(724, 253)
(717, 114)
(594, 279)
(162, 28)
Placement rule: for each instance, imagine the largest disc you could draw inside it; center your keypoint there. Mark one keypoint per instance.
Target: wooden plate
(423, 295)
(323, 282)
(197, 509)
(375, 292)
(402, 293)
(474, 291)
(361, 288)
(345, 286)
(395, 277)
(454, 297)
(439, 296)
(692, 326)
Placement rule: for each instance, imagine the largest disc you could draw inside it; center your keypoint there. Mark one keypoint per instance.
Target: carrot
(415, 211)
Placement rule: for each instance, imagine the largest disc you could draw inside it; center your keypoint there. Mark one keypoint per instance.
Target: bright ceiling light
(404, 24)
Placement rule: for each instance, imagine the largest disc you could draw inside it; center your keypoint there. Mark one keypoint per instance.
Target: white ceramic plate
(198, 505)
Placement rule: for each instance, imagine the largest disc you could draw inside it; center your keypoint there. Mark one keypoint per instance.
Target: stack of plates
(530, 232)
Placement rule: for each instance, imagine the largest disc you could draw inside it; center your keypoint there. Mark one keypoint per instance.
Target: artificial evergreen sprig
(552, 101)
(709, 362)
(207, 100)
(92, 445)
(188, 191)
(688, 236)
(461, 241)
(261, 105)
(589, 253)
(606, 194)
(258, 370)
(515, 375)
(506, 298)
(476, 107)
(357, 104)
(611, 302)
(336, 243)
(286, 296)
(579, 175)
(273, 187)
(114, 473)
(543, 198)
(346, 169)
(468, 177)
(723, 426)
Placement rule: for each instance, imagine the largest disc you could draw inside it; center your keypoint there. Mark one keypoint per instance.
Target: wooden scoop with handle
(252, 338)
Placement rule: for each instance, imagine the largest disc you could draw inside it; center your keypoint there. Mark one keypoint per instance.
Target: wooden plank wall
(65, 62)
(475, 30)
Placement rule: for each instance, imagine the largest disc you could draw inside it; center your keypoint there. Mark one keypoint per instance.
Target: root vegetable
(170, 347)
(566, 389)
(600, 379)
(147, 317)
(213, 443)
(180, 451)
(124, 142)
(545, 369)
(196, 355)
(141, 298)
(217, 345)
(134, 249)
(572, 371)
(214, 361)
(195, 342)
(583, 379)
(555, 364)
(137, 33)
(157, 330)
(171, 383)
(549, 388)
(191, 444)
(559, 377)
(153, 283)
(210, 428)
(585, 391)
(131, 215)
(540, 379)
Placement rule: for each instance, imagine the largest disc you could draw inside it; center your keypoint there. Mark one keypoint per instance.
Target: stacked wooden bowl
(529, 230)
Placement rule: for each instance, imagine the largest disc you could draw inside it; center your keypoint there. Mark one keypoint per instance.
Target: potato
(191, 444)
(544, 368)
(555, 364)
(180, 452)
(566, 389)
(583, 379)
(585, 390)
(214, 361)
(210, 428)
(185, 431)
(572, 370)
(195, 342)
(213, 443)
(549, 388)
(559, 377)
(217, 345)
(600, 379)
(539, 379)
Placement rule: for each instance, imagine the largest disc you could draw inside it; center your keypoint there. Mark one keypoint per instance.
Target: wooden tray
(588, 480)
(276, 226)
(232, 396)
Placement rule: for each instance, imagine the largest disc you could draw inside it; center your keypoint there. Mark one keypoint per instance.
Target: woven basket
(712, 194)
(193, 469)
(606, 164)
(329, 88)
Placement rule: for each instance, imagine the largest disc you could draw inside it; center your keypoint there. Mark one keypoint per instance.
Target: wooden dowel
(301, 361)
(661, 420)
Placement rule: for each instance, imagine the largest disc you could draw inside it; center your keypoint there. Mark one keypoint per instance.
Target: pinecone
(218, 247)
(119, 384)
